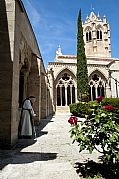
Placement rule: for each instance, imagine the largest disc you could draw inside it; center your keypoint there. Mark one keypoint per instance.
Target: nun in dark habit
(26, 124)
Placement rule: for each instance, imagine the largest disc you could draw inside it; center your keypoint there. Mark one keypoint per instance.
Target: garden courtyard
(51, 156)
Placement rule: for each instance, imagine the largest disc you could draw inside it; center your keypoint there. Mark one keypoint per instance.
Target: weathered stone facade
(103, 70)
(96, 36)
(22, 72)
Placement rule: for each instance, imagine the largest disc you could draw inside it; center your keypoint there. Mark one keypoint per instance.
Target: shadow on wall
(6, 66)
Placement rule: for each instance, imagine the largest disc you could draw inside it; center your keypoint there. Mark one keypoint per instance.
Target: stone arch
(23, 77)
(98, 72)
(88, 33)
(65, 88)
(99, 32)
(97, 84)
(99, 27)
(67, 70)
(88, 28)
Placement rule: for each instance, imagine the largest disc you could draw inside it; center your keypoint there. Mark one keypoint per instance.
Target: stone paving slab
(52, 156)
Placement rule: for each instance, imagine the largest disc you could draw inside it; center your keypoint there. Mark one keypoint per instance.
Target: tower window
(99, 34)
(88, 36)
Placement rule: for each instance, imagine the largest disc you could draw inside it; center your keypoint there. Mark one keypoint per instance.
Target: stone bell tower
(96, 36)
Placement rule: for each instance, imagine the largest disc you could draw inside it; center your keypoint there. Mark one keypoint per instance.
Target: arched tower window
(99, 34)
(88, 36)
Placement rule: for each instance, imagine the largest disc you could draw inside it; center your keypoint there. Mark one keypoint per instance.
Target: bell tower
(96, 33)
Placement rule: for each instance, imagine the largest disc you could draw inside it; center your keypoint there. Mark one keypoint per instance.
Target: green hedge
(80, 109)
(73, 109)
(112, 101)
(85, 108)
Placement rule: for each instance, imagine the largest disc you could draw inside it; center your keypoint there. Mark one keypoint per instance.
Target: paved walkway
(52, 156)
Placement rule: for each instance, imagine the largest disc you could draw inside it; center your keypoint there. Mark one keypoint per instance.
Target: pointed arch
(99, 27)
(63, 71)
(65, 87)
(97, 84)
(88, 28)
(98, 72)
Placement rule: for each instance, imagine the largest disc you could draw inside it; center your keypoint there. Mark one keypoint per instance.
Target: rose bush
(99, 131)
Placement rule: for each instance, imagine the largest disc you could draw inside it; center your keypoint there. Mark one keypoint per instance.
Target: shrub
(73, 109)
(111, 101)
(101, 128)
(80, 109)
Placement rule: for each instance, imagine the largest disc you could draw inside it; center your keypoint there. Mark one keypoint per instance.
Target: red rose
(109, 107)
(70, 120)
(73, 120)
(99, 98)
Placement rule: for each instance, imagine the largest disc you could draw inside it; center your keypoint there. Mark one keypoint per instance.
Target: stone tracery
(65, 89)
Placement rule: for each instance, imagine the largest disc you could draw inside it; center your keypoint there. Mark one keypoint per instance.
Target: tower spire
(92, 8)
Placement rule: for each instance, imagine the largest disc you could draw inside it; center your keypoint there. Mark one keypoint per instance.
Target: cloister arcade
(65, 88)
(97, 85)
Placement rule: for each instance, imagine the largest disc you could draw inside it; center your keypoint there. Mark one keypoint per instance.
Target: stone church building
(103, 70)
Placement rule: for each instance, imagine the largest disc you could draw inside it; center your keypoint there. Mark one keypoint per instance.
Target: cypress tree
(82, 72)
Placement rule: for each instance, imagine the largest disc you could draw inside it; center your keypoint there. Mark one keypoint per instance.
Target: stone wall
(19, 54)
(6, 67)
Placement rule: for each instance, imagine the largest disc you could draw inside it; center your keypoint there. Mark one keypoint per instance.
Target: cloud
(33, 14)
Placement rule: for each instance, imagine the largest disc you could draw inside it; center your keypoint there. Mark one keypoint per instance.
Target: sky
(55, 23)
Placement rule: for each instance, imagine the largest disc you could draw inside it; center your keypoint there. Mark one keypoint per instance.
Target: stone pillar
(107, 91)
(91, 93)
(43, 96)
(96, 92)
(34, 85)
(6, 74)
(61, 95)
(51, 88)
(65, 95)
(76, 100)
(71, 93)
(56, 96)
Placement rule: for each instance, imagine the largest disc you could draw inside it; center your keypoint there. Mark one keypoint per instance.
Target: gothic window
(65, 90)
(88, 36)
(95, 77)
(96, 86)
(99, 34)
(65, 77)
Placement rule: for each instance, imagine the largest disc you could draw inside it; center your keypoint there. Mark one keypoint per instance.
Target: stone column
(65, 95)
(71, 93)
(47, 100)
(76, 100)
(107, 91)
(91, 93)
(96, 92)
(56, 96)
(61, 95)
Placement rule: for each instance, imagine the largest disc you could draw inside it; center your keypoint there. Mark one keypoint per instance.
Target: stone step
(62, 109)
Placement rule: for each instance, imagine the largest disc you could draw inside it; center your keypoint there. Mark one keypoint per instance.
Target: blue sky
(55, 23)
